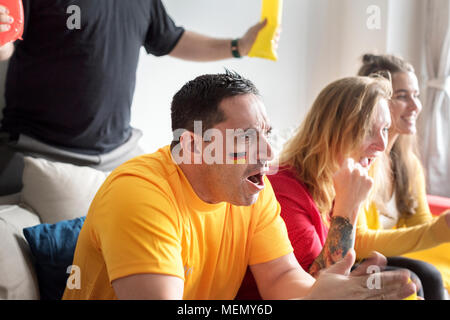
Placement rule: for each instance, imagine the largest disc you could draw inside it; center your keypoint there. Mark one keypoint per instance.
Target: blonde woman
(400, 212)
(323, 177)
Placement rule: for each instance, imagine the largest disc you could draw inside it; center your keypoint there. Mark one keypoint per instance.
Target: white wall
(321, 41)
(407, 31)
(282, 84)
(338, 40)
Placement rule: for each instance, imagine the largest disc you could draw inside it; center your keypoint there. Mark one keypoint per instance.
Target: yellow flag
(264, 46)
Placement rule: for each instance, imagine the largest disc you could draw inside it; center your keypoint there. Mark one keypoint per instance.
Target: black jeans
(429, 276)
(11, 169)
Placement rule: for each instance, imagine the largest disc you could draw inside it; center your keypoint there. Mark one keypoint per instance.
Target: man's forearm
(6, 51)
(340, 240)
(292, 284)
(197, 47)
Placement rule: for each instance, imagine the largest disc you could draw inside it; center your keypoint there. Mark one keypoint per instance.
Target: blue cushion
(53, 247)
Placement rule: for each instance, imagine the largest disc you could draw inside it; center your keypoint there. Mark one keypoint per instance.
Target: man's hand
(5, 19)
(249, 38)
(5, 25)
(375, 259)
(336, 282)
(378, 260)
(194, 46)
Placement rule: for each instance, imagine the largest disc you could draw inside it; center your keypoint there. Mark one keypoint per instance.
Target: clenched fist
(352, 185)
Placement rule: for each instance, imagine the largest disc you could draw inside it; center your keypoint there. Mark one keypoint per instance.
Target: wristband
(234, 48)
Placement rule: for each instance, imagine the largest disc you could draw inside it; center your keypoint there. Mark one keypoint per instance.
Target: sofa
(53, 194)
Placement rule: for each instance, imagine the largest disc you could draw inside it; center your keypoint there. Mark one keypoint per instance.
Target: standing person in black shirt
(69, 88)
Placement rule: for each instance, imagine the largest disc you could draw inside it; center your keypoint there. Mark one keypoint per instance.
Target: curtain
(434, 124)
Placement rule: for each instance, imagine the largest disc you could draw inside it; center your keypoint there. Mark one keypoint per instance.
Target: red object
(304, 223)
(306, 229)
(438, 204)
(15, 8)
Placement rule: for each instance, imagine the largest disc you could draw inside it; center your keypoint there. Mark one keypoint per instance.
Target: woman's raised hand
(352, 185)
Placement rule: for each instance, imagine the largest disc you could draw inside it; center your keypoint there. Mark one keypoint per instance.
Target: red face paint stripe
(238, 155)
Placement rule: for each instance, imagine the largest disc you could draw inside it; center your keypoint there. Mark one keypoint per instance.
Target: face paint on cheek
(238, 157)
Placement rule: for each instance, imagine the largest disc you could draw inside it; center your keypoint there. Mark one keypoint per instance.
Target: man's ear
(192, 146)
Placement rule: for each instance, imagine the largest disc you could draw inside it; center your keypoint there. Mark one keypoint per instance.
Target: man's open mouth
(257, 180)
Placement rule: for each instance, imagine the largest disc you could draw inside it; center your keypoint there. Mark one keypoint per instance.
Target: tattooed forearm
(339, 242)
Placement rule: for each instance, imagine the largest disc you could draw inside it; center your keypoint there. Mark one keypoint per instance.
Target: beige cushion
(59, 191)
(17, 276)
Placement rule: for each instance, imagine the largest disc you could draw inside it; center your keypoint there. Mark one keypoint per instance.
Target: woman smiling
(398, 220)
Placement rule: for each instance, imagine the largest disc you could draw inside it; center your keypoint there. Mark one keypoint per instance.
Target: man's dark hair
(199, 99)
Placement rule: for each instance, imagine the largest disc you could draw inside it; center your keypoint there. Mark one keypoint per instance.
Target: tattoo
(339, 242)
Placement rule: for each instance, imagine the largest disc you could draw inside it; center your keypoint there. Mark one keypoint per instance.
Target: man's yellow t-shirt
(146, 218)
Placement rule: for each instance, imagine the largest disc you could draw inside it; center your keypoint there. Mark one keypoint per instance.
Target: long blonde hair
(335, 126)
(404, 151)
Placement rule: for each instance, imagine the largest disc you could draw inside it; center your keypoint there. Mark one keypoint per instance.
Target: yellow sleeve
(270, 239)
(395, 242)
(139, 232)
(418, 232)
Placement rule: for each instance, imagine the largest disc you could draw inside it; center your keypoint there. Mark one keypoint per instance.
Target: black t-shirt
(74, 88)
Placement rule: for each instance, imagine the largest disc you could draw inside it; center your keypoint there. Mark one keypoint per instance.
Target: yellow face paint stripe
(239, 157)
